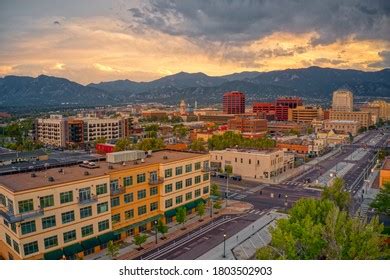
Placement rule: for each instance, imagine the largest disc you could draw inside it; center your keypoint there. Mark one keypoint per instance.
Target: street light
(224, 245)
(211, 207)
(285, 201)
(155, 229)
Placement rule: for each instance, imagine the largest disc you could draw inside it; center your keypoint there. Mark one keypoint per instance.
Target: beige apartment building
(263, 165)
(384, 108)
(51, 131)
(364, 118)
(73, 211)
(346, 126)
(342, 101)
(305, 114)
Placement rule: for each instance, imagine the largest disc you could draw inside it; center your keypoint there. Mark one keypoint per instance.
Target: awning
(140, 223)
(170, 213)
(54, 255)
(193, 204)
(106, 237)
(90, 243)
(73, 249)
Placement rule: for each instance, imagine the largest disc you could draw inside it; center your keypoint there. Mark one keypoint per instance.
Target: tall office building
(234, 102)
(290, 102)
(342, 101)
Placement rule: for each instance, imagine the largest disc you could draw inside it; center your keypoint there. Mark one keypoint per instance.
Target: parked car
(236, 177)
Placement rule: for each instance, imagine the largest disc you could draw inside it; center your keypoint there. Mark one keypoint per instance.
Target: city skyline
(143, 41)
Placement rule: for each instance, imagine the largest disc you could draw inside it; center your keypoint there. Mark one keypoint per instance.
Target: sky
(94, 40)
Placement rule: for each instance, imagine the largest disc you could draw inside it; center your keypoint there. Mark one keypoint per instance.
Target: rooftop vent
(165, 157)
(135, 162)
(60, 170)
(50, 179)
(124, 163)
(33, 175)
(110, 167)
(142, 160)
(86, 173)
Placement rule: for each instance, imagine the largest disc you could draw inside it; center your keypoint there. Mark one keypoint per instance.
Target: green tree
(217, 205)
(231, 139)
(100, 140)
(112, 249)
(181, 216)
(123, 144)
(162, 228)
(318, 229)
(228, 169)
(200, 210)
(180, 130)
(337, 194)
(381, 202)
(214, 190)
(151, 144)
(198, 145)
(140, 239)
(309, 130)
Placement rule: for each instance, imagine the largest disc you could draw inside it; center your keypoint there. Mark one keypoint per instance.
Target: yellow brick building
(74, 211)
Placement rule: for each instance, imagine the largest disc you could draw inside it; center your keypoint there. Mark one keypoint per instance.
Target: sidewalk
(129, 250)
(232, 243)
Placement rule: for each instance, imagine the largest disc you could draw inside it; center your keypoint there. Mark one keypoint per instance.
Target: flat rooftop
(23, 181)
(249, 151)
(386, 164)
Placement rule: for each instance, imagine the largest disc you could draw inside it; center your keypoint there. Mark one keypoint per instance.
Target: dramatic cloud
(144, 40)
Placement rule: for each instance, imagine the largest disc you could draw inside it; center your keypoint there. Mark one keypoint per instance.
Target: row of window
(52, 241)
(188, 168)
(188, 196)
(129, 214)
(65, 197)
(66, 217)
(188, 182)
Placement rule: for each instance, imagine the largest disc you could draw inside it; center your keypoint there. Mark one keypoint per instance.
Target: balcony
(156, 181)
(88, 200)
(12, 218)
(117, 191)
(206, 169)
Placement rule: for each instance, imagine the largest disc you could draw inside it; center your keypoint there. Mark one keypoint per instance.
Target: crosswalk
(256, 212)
(237, 196)
(290, 183)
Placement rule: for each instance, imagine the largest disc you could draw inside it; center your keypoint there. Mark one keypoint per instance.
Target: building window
(141, 194)
(115, 218)
(188, 195)
(85, 194)
(101, 189)
(168, 173)
(51, 242)
(206, 176)
(188, 168)
(197, 165)
(153, 206)
(242, 161)
(197, 179)
(179, 199)
(197, 193)
(87, 230)
(66, 197)
(114, 185)
(179, 185)
(128, 181)
(154, 190)
(16, 246)
(28, 227)
(85, 212)
(13, 227)
(128, 198)
(188, 182)
(141, 210)
(26, 206)
(205, 190)
(179, 170)
(129, 214)
(8, 239)
(67, 217)
(103, 225)
(115, 201)
(30, 248)
(69, 236)
(46, 201)
(2, 199)
(168, 203)
(168, 188)
(141, 178)
(102, 207)
(49, 222)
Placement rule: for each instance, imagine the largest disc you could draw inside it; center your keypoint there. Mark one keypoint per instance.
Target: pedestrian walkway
(262, 225)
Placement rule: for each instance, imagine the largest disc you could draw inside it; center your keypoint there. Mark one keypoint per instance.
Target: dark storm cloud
(246, 20)
(385, 55)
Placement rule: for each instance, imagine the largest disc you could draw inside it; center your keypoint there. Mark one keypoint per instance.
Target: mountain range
(313, 83)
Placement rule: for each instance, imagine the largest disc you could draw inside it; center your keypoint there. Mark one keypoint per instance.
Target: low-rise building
(248, 125)
(258, 165)
(333, 137)
(75, 210)
(364, 118)
(305, 114)
(287, 127)
(345, 126)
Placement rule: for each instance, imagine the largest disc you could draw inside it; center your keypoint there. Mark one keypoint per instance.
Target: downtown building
(74, 211)
(342, 101)
(234, 102)
(248, 126)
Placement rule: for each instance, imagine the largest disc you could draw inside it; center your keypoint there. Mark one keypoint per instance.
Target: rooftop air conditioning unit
(50, 179)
